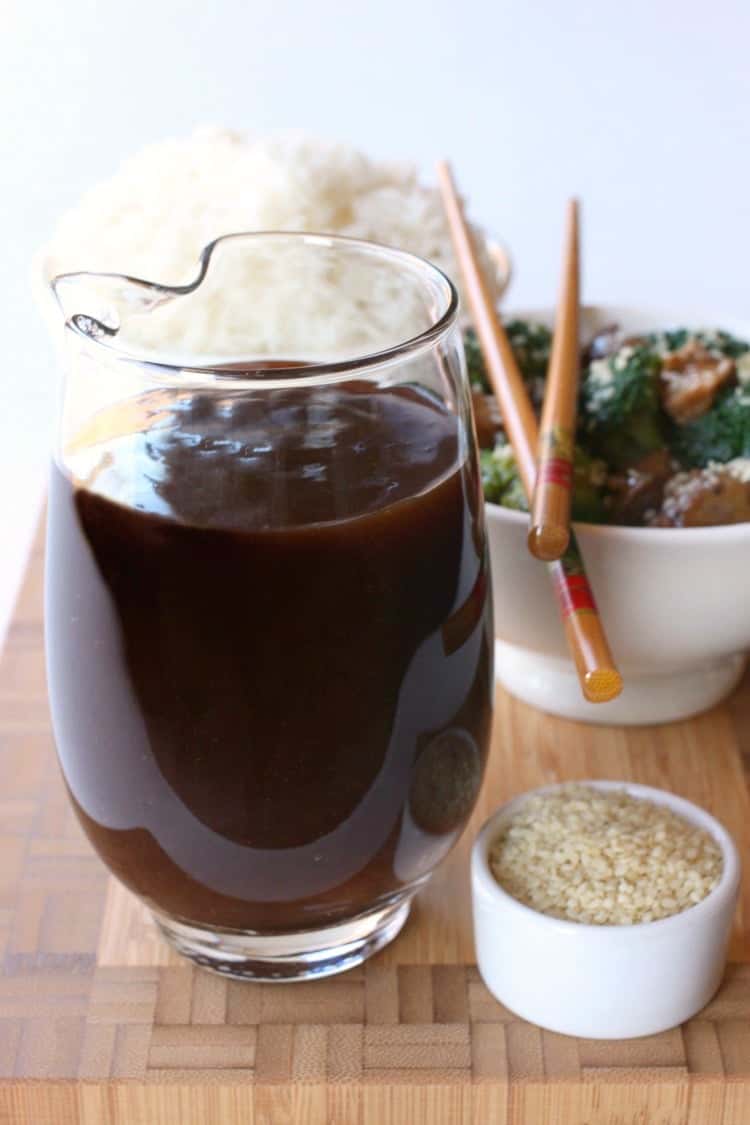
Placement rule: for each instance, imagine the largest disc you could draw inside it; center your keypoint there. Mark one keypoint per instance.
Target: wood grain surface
(101, 1023)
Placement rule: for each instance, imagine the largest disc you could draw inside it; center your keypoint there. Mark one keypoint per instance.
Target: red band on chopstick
(574, 594)
(556, 470)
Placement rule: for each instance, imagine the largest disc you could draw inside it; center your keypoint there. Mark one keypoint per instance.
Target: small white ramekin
(602, 982)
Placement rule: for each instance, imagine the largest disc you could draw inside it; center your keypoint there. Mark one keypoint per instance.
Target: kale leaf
(721, 434)
(620, 416)
(531, 343)
(716, 340)
(475, 362)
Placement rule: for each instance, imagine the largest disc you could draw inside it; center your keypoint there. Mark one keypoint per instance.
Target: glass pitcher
(269, 636)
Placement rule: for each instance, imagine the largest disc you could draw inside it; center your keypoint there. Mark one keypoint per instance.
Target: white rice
(153, 217)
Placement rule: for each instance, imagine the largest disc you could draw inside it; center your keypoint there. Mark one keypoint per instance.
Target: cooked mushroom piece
(607, 341)
(690, 378)
(704, 498)
(487, 417)
(638, 490)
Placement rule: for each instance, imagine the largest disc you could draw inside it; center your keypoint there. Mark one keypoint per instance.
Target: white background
(640, 107)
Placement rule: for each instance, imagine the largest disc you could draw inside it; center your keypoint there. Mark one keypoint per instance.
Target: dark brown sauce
(270, 664)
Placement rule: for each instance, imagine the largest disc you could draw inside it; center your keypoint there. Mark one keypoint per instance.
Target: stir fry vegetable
(619, 412)
(531, 345)
(500, 479)
(720, 434)
(502, 484)
(664, 426)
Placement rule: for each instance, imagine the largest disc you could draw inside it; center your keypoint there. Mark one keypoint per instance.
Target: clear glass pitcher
(269, 633)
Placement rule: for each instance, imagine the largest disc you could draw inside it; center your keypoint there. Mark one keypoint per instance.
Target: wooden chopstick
(600, 680)
(549, 533)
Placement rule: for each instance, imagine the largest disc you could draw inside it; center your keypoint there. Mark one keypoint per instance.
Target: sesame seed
(604, 857)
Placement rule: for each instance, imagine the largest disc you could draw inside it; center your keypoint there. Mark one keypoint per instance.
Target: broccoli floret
(502, 484)
(475, 362)
(620, 416)
(531, 345)
(500, 479)
(721, 434)
(589, 483)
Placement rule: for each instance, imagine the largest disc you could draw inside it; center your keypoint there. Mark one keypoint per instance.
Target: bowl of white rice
(154, 216)
(603, 909)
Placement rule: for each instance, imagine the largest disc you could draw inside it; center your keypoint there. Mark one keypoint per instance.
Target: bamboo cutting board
(101, 1024)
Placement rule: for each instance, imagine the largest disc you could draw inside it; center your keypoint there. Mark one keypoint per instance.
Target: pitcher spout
(97, 305)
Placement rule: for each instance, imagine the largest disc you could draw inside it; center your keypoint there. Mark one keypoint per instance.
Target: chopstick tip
(602, 685)
(548, 542)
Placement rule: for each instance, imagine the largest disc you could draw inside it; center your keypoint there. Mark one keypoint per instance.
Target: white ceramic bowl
(673, 600)
(602, 982)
